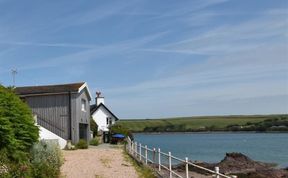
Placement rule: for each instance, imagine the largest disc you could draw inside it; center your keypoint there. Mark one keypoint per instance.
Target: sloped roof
(50, 89)
(94, 108)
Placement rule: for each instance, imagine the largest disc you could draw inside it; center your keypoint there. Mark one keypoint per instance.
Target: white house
(101, 114)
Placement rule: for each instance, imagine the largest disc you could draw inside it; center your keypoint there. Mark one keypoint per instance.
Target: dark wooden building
(62, 109)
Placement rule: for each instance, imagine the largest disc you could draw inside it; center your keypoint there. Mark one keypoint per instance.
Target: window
(83, 105)
(108, 121)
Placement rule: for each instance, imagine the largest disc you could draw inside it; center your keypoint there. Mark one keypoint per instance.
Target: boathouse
(62, 111)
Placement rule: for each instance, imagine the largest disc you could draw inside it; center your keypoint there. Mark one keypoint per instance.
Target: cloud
(96, 13)
(64, 45)
(256, 64)
(92, 53)
(243, 64)
(223, 61)
(192, 6)
(230, 38)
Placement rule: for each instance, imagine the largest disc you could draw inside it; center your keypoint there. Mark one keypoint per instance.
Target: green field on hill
(207, 123)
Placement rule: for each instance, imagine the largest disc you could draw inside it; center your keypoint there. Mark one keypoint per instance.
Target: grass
(142, 170)
(194, 123)
(106, 162)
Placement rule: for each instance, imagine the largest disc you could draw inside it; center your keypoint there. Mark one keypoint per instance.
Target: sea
(212, 146)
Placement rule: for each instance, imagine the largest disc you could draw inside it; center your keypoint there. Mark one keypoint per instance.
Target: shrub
(119, 129)
(82, 144)
(46, 159)
(4, 164)
(17, 129)
(18, 133)
(94, 142)
(10, 168)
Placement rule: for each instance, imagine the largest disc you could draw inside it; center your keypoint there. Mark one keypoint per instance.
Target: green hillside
(204, 123)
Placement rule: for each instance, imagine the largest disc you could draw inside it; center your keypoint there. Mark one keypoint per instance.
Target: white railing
(149, 157)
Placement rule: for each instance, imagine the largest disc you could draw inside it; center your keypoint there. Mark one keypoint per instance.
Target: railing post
(217, 171)
(154, 156)
(146, 155)
(170, 165)
(129, 145)
(187, 168)
(140, 151)
(132, 148)
(136, 150)
(159, 159)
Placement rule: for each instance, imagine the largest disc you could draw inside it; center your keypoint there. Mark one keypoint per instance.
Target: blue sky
(153, 58)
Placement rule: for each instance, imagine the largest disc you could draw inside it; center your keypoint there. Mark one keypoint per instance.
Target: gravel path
(103, 161)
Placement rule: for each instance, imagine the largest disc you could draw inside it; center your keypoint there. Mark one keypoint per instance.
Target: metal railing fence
(155, 158)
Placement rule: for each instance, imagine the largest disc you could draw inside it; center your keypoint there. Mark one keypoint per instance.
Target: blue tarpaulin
(118, 136)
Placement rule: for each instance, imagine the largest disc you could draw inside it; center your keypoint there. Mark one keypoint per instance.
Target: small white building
(101, 114)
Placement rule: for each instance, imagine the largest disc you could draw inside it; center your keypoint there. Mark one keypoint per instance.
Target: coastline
(211, 146)
(211, 132)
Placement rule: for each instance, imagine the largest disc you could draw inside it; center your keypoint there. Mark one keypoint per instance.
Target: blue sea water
(211, 147)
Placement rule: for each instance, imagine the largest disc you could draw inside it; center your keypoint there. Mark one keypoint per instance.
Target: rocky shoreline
(240, 165)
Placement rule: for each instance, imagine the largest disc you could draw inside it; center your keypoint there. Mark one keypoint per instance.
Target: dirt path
(103, 161)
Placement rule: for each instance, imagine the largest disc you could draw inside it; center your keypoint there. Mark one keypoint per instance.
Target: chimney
(99, 99)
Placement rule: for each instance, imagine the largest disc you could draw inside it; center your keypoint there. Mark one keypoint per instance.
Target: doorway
(83, 131)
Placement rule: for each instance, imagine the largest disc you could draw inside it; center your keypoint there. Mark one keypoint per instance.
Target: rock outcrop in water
(242, 166)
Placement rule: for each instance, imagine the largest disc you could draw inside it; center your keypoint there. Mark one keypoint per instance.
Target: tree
(119, 129)
(17, 129)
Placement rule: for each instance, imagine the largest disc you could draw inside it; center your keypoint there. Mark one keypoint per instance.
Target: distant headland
(257, 123)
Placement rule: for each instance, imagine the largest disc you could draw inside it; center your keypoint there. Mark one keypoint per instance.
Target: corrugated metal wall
(52, 113)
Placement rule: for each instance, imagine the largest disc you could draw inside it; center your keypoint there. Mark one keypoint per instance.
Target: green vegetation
(94, 142)
(279, 123)
(121, 129)
(82, 144)
(46, 159)
(21, 155)
(208, 123)
(142, 170)
(17, 135)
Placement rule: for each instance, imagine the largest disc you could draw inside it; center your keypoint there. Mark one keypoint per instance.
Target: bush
(82, 144)
(94, 142)
(46, 159)
(4, 164)
(18, 133)
(119, 129)
(17, 129)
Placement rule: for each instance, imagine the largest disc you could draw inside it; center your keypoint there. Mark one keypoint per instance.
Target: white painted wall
(99, 100)
(45, 134)
(100, 116)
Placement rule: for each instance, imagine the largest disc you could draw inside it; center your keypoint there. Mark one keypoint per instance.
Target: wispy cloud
(191, 7)
(64, 45)
(94, 52)
(230, 38)
(189, 56)
(243, 63)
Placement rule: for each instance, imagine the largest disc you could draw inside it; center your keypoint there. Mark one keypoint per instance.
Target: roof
(52, 89)
(94, 108)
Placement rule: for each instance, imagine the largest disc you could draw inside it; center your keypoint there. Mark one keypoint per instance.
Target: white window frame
(83, 105)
